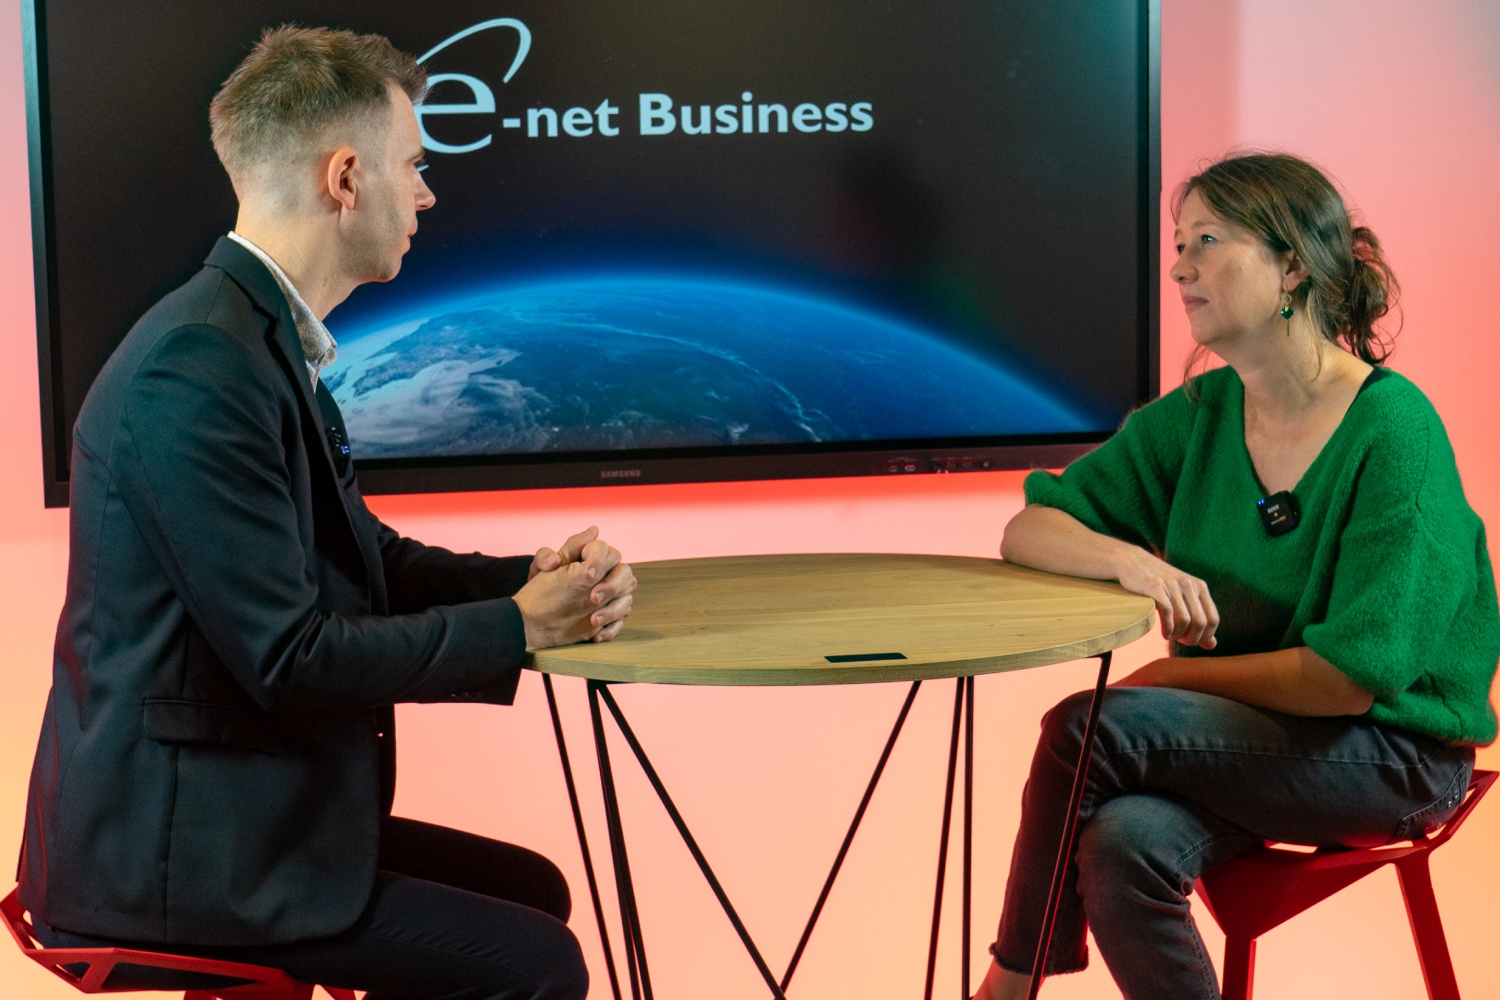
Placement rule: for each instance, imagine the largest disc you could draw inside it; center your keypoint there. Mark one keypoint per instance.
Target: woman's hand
(1050, 539)
(1183, 603)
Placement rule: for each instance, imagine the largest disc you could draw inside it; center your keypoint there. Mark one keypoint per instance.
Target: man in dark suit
(216, 764)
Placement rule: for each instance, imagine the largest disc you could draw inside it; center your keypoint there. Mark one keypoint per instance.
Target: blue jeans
(1180, 782)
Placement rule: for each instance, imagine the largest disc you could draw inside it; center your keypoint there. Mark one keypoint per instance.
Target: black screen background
(1004, 163)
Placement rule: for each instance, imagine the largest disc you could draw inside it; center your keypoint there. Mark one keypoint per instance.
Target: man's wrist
(521, 600)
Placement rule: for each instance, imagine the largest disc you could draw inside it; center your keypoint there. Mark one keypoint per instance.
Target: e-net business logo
(655, 113)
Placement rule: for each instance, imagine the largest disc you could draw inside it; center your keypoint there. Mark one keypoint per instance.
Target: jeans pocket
(1430, 817)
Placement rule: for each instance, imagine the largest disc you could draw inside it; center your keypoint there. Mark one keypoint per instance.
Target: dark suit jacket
(217, 749)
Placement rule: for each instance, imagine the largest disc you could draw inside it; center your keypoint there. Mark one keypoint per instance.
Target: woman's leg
(1137, 859)
(1236, 768)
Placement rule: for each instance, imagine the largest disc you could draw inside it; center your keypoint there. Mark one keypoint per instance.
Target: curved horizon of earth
(634, 363)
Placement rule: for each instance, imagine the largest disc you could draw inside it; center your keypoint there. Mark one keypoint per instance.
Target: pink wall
(1401, 102)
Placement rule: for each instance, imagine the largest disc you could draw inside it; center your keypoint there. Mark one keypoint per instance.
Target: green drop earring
(1286, 311)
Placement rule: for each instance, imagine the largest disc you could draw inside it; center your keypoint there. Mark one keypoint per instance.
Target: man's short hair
(296, 84)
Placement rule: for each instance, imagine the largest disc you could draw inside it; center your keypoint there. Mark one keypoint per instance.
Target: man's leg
(415, 940)
(478, 864)
(419, 940)
(461, 917)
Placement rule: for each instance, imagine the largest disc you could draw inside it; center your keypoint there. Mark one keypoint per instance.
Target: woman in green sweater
(1331, 671)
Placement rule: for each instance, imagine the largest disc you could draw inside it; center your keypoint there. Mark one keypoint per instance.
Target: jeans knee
(1064, 724)
(1118, 854)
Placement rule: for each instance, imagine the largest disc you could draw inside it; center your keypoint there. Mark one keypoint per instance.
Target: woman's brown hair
(1291, 205)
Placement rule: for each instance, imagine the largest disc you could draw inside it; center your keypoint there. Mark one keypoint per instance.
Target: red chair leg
(1427, 927)
(1239, 968)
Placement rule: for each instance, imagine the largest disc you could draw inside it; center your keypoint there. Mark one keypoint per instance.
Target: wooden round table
(851, 618)
(835, 619)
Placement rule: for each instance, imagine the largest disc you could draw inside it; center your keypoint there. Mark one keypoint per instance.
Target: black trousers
(452, 916)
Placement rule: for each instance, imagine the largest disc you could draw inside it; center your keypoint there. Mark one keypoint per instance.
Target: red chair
(1250, 895)
(91, 969)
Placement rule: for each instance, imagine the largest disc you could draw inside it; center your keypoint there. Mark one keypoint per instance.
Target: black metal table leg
(968, 838)
(635, 943)
(692, 844)
(942, 862)
(1070, 830)
(629, 911)
(583, 840)
(963, 722)
(859, 814)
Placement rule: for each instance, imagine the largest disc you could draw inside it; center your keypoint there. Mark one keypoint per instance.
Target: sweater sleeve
(1397, 589)
(1411, 593)
(1124, 488)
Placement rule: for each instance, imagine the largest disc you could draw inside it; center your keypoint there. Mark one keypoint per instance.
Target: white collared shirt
(318, 347)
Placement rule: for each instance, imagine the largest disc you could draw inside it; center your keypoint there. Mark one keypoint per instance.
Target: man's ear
(338, 176)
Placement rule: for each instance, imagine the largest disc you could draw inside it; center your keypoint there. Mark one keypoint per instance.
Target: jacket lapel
(260, 284)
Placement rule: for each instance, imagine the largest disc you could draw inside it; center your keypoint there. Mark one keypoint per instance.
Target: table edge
(884, 671)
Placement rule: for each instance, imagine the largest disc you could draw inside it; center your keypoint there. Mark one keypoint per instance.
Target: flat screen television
(674, 240)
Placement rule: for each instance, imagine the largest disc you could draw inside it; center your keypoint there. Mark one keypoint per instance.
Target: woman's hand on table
(1053, 540)
(1183, 604)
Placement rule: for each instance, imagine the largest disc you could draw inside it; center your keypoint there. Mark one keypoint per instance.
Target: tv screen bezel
(717, 464)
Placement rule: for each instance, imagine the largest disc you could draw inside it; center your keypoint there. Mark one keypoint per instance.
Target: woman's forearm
(1050, 539)
(1296, 681)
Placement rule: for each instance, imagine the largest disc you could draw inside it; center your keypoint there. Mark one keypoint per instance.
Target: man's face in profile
(389, 191)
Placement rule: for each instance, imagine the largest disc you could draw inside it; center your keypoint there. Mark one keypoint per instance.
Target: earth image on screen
(633, 363)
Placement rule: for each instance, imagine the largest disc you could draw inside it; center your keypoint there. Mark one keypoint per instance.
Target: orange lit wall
(1400, 101)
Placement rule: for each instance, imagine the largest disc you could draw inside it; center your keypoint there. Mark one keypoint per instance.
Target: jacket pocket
(169, 720)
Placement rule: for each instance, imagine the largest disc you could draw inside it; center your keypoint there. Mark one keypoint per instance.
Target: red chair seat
(1252, 894)
(91, 969)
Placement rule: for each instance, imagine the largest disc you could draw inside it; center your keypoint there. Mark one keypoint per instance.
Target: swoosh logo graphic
(500, 22)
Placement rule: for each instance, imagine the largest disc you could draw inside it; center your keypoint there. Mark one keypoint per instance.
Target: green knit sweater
(1387, 577)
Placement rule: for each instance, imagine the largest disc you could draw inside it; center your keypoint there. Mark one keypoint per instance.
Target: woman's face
(1231, 283)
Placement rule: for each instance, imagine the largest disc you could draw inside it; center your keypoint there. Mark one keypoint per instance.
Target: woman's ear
(1293, 271)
